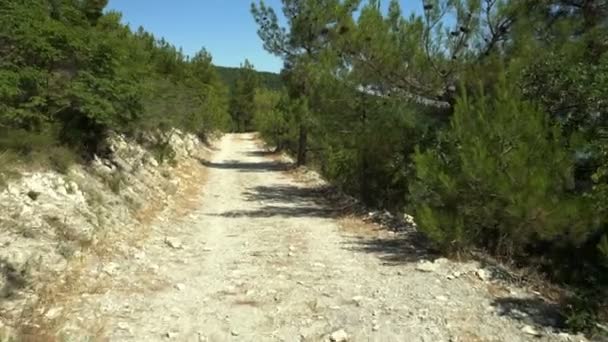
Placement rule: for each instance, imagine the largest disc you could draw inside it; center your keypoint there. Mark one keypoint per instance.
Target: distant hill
(267, 79)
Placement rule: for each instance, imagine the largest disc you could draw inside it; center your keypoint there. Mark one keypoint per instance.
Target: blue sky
(224, 27)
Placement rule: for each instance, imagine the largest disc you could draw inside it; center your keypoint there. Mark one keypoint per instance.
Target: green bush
(75, 73)
(62, 158)
(502, 178)
(163, 152)
(25, 142)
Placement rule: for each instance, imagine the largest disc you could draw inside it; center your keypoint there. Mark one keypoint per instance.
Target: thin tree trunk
(302, 145)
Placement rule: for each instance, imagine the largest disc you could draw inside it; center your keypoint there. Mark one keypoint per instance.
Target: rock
(53, 313)
(110, 268)
(292, 249)
(375, 327)
(123, 326)
(427, 266)
(180, 287)
(171, 335)
(290, 254)
(338, 336)
(174, 243)
(441, 261)
(357, 300)
(530, 331)
(442, 298)
(234, 333)
(483, 275)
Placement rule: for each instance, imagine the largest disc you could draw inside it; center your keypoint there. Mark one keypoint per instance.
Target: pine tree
(242, 102)
(311, 25)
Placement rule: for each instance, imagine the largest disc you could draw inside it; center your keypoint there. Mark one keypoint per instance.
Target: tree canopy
(72, 73)
(486, 119)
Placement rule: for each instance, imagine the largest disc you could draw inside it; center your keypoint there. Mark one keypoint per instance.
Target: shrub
(501, 178)
(163, 152)
(62, 158)
(8, 159)
(114, 181)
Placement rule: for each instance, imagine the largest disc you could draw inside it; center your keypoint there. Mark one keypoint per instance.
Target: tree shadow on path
(532, 311)
(403, 247)
(285, 201)
(266, 166)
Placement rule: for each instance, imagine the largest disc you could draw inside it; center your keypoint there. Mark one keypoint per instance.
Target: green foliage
(114, 181)
(61, 158)
(163, 152)
(242, 100)
(70, 73)
(506, 186)
(520, 171)
(272, 118)
(267, 80)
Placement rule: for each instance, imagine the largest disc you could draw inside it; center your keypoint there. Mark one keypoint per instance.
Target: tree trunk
(302, 145)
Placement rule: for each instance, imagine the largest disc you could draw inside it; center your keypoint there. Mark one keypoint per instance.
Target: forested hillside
(267, 80)
(69, 74)
(487, 120)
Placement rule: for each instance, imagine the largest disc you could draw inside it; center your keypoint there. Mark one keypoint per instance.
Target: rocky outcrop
(47, 218)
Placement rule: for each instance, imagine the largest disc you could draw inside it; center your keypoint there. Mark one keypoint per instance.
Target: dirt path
(263, 259)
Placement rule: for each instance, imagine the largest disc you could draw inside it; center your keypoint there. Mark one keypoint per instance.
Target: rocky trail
(263, 257)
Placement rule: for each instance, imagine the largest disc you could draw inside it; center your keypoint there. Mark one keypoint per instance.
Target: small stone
(357, 300)
(53, 313)
(483, 275)
(234, 333)
(442, 298)
(530, 330)
(110, 268)
(174, 243)
(292, 248)
(123, 326)
(339, 336)
(180, 287)
(290, 254)
(426, 266)
(375, 327)
(318, 264)
(171, 335)
(441, 261)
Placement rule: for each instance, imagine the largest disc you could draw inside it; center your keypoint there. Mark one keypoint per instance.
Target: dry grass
(34, 325)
